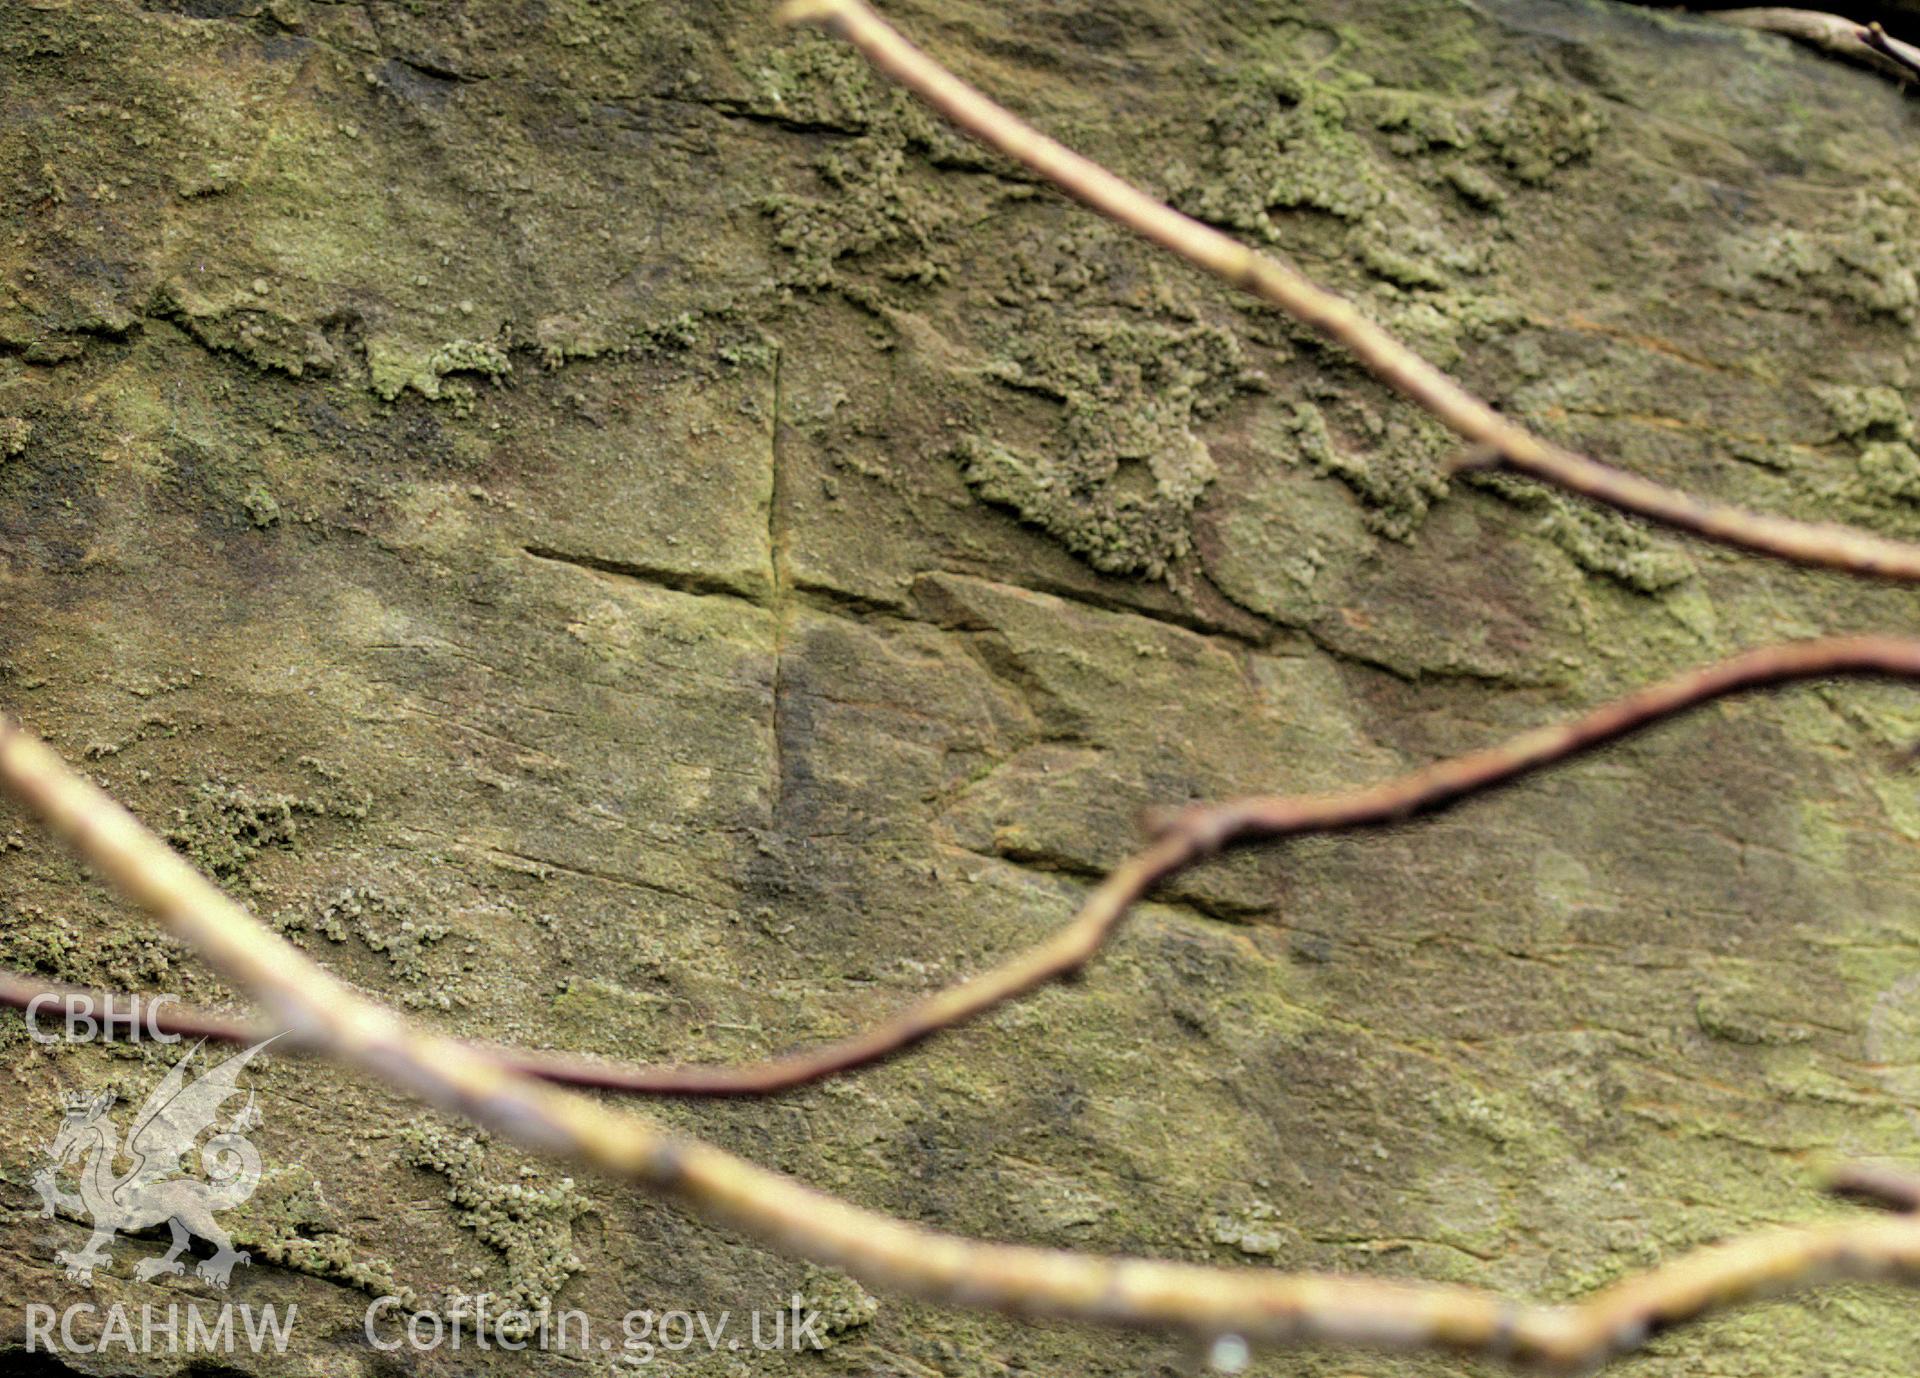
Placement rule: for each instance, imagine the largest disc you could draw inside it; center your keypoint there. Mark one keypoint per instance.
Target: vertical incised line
(777, 598)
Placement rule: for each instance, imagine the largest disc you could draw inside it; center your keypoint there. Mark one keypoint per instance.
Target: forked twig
(1813, 543)
(1903, 55)
(1847, 38)
(326, 1017)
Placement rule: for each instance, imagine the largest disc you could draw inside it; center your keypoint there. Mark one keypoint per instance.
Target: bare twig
(1877, 1186)
(1444, 782)
(1823, 544)
(1848, 38)
(1904, 55)
(1180, 838)
(328, 1018)
(119, 1013)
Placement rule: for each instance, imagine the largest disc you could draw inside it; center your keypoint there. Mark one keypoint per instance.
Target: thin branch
(1180, 837)
(328, 1018)
(1877, 1186)
(324, 1016)
(128, 1014)
(1847, 38)
(1824, 544)
(1904, 55)
(1183, 837)
(1445, 782)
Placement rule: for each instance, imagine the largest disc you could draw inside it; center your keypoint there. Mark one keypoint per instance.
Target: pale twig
(1848, 38)
(328, 1018)
(1823, 544)
(1904, 55)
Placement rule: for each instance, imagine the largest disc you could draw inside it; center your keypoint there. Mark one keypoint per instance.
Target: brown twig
(1823, 544)
(1444, 782)
(1187, 835)
(1877, 1186)
(328, 1018)
(120, 1012)
(117, 1012)
(1181, 837)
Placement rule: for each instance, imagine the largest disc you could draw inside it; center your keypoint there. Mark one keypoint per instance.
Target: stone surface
(618, 532)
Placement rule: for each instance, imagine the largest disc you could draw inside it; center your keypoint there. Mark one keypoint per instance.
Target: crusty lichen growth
(289, 1222)
(15, 432)
(1390, 458)
(875, 207)
(1876, 422)
(1599, 540)
(528, 1221)
(381, 922)
(226, 825)
(1378, 161)
(1352, 1074)
(1121, 471)
(1861, 257)
(434, 372)
(1281, 141)
(844, 1305)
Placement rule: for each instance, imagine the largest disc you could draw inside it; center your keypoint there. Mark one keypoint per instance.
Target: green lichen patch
(1391, 459)
(1867, 413)
(527, 1219)
(876, 207)
(1279, 141)
(1379, 164)
(818, 82)
(15, 432)
(289, 1222)
(1878, 424)
(789, 727)
(1599, 540)
(1860, 258)
(1122, 467)
(225, 825)
(1256, 1230)
(433, 371)
(843, 1304)
(869, 212)
(245, 322)
(382, 923)
(1539, 128)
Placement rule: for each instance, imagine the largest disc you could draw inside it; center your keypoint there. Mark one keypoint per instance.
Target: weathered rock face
(618, 532)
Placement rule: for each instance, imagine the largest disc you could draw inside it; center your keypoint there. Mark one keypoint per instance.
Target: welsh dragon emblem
(157, 1186)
